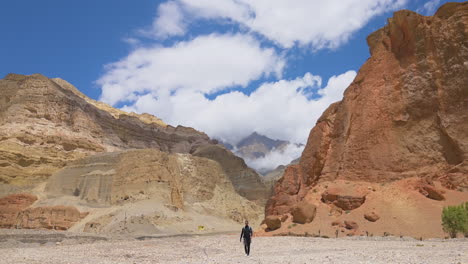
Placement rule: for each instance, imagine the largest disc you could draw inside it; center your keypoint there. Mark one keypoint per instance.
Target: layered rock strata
(150, 182)
(47, 123)
(16, 212)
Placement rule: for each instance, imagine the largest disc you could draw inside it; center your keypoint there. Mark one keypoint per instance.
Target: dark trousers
(247, 245)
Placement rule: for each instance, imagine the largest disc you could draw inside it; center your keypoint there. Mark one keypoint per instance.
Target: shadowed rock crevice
(450, 149)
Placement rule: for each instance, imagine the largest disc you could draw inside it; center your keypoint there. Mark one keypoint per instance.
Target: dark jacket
(246, 233)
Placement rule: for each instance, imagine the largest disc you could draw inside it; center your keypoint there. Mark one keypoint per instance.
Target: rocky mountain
(393, 152)
(256, 147)
(47, 127)
(47, 122)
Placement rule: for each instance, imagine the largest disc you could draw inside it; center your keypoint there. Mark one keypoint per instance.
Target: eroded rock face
(245, 180)
(11, 206)
(49, 217)
(16, 212)
(176, 180)
(405, 114)
(47, 122)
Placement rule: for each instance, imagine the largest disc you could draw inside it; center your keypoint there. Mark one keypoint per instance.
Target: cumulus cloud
(205, 64)
(168, 22)
(429, 7)
(174, 82)
(276, 158)
(280, 109)
(319, 24)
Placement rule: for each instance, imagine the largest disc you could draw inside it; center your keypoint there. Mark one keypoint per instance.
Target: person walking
(247, 234)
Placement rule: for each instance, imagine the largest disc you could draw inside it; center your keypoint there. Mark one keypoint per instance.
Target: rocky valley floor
(25, 246)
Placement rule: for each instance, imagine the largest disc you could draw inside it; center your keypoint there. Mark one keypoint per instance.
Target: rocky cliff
(404, 117)
(47, 123)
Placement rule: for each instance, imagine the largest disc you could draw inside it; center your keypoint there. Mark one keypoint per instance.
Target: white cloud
(429, 7)
(171, 81)
(205, 64)
(276, 109)
(320, 24)
(276, 158)
(168, 22)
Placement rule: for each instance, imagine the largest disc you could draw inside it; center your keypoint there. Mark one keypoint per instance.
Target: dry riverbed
(28, 246)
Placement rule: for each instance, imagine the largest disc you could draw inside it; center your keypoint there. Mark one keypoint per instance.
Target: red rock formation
(49, 217)
(15, 212)
(343, 200)
(11, 206)
(405, 114)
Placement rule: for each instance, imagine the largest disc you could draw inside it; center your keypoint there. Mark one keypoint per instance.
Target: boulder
(431, 192)
(304, 212)
(342, 200)
(372, 216)
(351, 225)
(273, 222)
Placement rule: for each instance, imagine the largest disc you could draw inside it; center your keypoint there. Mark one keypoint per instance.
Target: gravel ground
(55, 247)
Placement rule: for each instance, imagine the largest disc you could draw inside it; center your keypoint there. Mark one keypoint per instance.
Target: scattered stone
(351, 225)
(372, 216)
(336, 223)
(273, 222)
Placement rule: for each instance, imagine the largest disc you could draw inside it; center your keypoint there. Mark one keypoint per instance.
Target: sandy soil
(55, 247)
(403, 210)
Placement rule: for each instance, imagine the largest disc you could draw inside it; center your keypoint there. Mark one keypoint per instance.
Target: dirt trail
(227, 249)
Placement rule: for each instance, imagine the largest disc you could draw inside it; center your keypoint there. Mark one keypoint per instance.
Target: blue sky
(226, 67)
